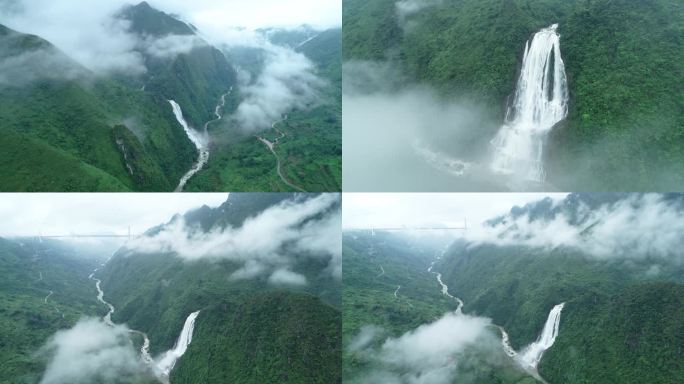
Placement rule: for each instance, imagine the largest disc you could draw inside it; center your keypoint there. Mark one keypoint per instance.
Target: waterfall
(200, 139)
(541, 101)
(168, 360)
(197, 138)
(531, 356)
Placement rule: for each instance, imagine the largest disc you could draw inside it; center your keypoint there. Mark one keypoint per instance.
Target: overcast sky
(366, 210)
(89, 33)
(93, 213)
(256, 13)
(205, 14)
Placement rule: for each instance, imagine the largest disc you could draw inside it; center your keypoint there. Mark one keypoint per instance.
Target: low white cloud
(286, 277)
(427, 142)
(91, 35)
(91, 352)
(171, 45)
(287, 81)
(270, 242)
(638, 226)
(407, 8)
(433, 353)
(434, 345)
(368, 210)
(362, 340)
(17, 71)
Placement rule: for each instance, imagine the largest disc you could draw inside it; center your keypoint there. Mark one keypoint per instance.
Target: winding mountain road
(271, 147)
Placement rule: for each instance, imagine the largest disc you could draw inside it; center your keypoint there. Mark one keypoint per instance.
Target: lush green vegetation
(368, 293)
(118, 132)
(264, 338)
(29, 314)
(623, 61)
(610, 331)
(93, 126)
(622, 321)
(634, 336)
(248, 330)
(28, 164)
(374, 266)
(311, 150)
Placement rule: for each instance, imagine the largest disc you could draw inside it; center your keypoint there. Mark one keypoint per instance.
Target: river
(162, 366)
(531, 355)
(200, 139)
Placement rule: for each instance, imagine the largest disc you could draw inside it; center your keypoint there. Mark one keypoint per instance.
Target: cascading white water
(145, 348)
(200, 140)
(168, 360)
(100, 297)
(541, 101)
(445, 292)
(532, 355)
(506, 343)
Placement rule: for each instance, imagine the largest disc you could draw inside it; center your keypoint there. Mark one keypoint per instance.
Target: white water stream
(541, 101)
(200, 139)
(145, 348)
(530, 357)
(168, 360)
(161, 367)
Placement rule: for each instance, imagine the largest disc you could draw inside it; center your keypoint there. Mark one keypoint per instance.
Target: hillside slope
(622, 60)
(116, 132)
(195, 77)
(45, 287)
(388, 289)
(622, 321)
(74, 117)
(309, 144)
(248, 328)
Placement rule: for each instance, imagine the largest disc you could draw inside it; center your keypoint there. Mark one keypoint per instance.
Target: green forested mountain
(69, 129)
(248, 330)
(44, 288)
(146, 20)
(195, 79)
(376, 266)
(263, 338)
(88, 132)
(309, 142)
(622, 58)
(64, 125)
(622, 316)
(622, 321)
